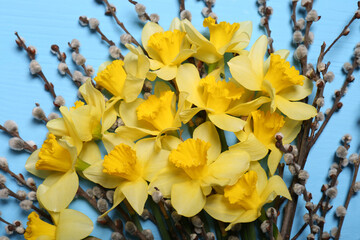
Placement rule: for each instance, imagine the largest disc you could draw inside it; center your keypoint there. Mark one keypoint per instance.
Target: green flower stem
(205, 221)
(168, 221)
(248, 231)
(133, 215)
(224, 145)
(217, 231)
(161, 224)
(211, 67)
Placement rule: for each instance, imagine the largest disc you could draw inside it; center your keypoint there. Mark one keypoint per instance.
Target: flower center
(166, 44)
(244, 193)
(77, 104)
(191, 156)
(157, 111)
(265, 126)
(281, 75)
(121, 162)
(219, 94)
(53, 156)
(112, 78)
(222, 33)
(36, 228)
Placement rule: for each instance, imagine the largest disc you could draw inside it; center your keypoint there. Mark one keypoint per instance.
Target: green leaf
(80, 165)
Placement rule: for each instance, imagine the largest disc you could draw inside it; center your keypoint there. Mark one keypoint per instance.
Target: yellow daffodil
(224, 37)
(125, 79)
(155, 116)
(127, 167)
(57, 161)
(223, 101)
(70, 224)
(274, 78)
(196, 165)
(242, 201)
(83, 123)
(263, 126)
(166, 49)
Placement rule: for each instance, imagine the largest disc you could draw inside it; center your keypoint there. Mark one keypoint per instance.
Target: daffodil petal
(219, 208)
(136, 192)
(183, 55)
(227, 122)
(155, 64)
(117, 199)
(84, 122)
(90, 153)
(149, 29)
(274, 159)
(58, 190)
(208, 133)
(241, 70)
(297, 92)
(167, 72)
(169, 142)
(187, 198)
(165, 179)
(110, 140)
(257, 53)
(132, 88)
(229, 167)
(271, 91)
(95, 174)
(188, 114)
(187, 80)
(275, 185)
(244, 109)
(175, 24)
(262, 177)
(30, 165)
(57, 127)
(245, 217)
(290, 130)
(295, 110)
(252, 146)
(68, 221)
(93, 97)
(283, 53)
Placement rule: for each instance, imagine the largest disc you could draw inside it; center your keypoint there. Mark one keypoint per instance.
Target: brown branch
(16, 134)
(19, 178)
(121, 24)
(182, 5)
(93, 203)
(145, 14)
(267, 13)
(348, 197)
(48, 85)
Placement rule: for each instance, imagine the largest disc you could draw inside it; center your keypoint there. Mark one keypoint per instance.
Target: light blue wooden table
(43, 23)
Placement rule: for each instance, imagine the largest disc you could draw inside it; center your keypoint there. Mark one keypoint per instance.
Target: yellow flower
(83, 123)
(242, 202)
(223, 101)
(196, 165)
(66, 222)
(57, 161)
(155, 116)
(274, 78)
(166, 49)
(263, 126)
(224, 37)
(112, 78)
(127, 167)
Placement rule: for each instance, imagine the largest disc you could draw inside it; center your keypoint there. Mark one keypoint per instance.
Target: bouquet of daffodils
(193, 129)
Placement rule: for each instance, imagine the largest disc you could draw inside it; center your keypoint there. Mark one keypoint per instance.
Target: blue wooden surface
(43, 23)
